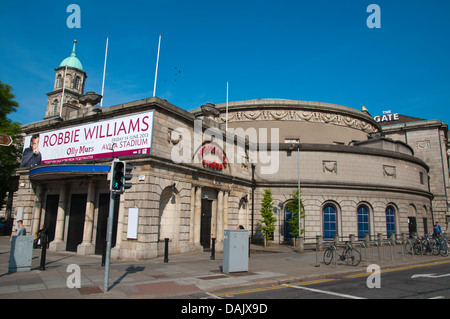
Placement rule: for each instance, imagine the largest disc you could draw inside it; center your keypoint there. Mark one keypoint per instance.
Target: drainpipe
(443, 171)
(253, 199)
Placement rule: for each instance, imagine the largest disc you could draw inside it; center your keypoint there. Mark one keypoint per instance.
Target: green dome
(72, 60)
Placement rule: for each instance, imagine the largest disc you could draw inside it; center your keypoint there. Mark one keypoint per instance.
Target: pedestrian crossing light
(128, 176)
(117, 176)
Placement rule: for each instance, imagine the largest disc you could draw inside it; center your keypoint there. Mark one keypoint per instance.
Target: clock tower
(68, 88)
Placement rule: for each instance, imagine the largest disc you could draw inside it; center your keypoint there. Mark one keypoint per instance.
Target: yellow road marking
(305, 283)
(312, 282)
(400, 268)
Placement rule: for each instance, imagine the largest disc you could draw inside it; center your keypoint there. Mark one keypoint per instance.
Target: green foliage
(9, 155)
(268, 218)
(292, 206)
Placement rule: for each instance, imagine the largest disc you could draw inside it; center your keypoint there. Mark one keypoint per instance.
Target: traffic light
(117, 176)
(128, 176)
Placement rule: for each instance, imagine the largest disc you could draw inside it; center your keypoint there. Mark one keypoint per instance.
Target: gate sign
(5, 140)
(120, 136)
(387, 117)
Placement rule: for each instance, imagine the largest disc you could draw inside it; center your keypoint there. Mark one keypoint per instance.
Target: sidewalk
(185, 274)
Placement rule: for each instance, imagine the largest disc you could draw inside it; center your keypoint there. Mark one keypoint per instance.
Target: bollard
(43, 252)
(319, 242)
(336, 239)
(213, 249)
(352, 238)
(166, 250)
(366, 238)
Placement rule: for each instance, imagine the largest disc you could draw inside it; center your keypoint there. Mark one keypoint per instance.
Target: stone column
(192, 216)
(197, 214)
(58, 243)
(219, 223)
(37, 209)
(86, 247)
(225, 211)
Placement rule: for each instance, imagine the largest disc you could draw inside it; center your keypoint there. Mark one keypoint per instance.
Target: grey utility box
(235, 251)
(21, 253)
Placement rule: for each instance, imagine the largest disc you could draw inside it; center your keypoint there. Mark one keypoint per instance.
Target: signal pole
(108, 240)
(120, 174)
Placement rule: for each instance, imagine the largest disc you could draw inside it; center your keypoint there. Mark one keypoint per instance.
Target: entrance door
(287, 227)
(205, 224)
(412, 225)
(76, 221)
(51, 211)
(425, 226)
(102, 223)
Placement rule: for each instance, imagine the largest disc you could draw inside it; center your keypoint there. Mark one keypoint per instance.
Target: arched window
(329, 221)
(390, 221)
(363, 221)
(59, 81)
(55, 107)
(76, 83)
(168, 221)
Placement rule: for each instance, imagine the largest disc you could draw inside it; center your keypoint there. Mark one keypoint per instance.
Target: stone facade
(429, 141)
(207, 171)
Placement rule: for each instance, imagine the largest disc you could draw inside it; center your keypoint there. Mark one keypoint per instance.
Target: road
(430, 282)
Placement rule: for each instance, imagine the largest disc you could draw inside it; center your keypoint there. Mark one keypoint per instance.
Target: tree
(9, 155)
(292, 206)
(268, 218)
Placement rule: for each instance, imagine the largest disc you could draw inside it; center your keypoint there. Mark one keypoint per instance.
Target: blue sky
(315, 50)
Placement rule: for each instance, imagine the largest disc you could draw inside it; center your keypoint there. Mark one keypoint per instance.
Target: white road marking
(326, 292)
(429, 276)
(212, 295)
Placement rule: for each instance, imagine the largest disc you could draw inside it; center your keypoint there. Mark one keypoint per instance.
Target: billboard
(120, 136)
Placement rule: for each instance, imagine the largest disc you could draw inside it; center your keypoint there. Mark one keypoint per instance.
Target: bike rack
(378, 244)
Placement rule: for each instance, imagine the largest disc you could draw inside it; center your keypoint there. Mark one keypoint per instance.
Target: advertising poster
(120, 136)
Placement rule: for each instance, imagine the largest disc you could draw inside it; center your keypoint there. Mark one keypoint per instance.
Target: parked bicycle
(436, 246)
(349, 254)
(425, 244)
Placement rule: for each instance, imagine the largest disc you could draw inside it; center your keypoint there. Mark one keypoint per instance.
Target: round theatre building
(193, 178)
(198, 173)
(352, 179)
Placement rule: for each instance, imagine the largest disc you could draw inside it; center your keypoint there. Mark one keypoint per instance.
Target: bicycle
(414, 246)
(349, 254)
(434, 246)
(439, 246)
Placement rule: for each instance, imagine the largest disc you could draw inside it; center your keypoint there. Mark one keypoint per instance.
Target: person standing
(21, 230)
(436, 230)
